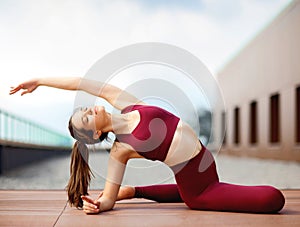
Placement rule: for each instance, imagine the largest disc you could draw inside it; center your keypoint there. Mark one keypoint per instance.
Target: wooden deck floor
(49, 208)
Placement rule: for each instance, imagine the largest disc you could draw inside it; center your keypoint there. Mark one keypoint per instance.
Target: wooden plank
(48, 208)
(31, 208)
(147, 213)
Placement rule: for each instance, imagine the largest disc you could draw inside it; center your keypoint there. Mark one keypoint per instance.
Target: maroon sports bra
(153, 135)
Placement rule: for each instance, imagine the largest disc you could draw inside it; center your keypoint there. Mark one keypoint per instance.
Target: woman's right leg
(163, 193)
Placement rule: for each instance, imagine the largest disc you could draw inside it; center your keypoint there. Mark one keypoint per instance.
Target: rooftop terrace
(50, 208)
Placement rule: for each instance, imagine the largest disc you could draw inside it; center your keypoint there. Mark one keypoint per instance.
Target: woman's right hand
(28, 87)
(90, 206)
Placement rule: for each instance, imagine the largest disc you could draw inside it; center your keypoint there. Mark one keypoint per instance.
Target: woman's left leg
(238, 198)
(199, 187)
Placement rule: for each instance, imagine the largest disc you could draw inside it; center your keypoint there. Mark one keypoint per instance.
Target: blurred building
(261, 88)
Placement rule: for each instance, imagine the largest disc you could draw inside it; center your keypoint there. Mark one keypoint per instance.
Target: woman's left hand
(90, 206)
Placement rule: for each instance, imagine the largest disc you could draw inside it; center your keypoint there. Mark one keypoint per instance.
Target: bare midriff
(185, 145)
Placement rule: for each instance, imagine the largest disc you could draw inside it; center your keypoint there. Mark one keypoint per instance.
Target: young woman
(144, 131)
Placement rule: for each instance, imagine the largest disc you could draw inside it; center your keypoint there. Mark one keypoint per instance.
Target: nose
(99, 109)
(88, 111)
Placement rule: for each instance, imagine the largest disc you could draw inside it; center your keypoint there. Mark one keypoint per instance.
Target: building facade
(261, 89)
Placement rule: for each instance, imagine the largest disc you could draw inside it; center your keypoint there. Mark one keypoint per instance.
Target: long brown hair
(80, 172)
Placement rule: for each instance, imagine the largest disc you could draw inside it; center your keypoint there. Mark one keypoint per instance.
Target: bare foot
(126, 192)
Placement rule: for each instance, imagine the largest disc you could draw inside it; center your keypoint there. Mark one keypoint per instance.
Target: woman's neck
(124, 123)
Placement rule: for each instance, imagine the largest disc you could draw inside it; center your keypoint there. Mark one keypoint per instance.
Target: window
(253, 123)
(274, 119)
(298, 114)
(236, 126)
(223, 129)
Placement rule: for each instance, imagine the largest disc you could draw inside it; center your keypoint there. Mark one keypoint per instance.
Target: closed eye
(84, 120)
(86, 111)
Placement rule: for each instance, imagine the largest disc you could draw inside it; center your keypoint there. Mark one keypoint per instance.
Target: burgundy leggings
(199, 187)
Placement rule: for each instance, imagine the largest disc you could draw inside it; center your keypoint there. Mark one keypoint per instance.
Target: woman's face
(92, 118)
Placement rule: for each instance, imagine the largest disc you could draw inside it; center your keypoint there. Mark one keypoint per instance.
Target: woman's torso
(184, 146)
(160, 135)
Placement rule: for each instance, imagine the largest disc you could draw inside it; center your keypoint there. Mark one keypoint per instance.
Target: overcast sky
(65, 38)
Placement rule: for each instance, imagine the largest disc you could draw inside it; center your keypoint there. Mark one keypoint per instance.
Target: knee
(194, 206)
(273, 200)
(198, 203)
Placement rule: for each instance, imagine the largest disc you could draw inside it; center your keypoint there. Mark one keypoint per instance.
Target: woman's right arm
(66, 83)
(112, 94)
(119, 155)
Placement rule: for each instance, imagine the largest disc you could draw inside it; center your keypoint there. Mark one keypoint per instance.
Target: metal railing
(17, 129)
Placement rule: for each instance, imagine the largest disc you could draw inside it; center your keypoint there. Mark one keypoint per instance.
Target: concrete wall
(17, 155)
(266, 66)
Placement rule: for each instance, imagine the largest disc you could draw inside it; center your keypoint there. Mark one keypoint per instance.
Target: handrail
(17, 129)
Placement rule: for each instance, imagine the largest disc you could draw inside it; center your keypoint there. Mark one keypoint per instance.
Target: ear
(97, 134)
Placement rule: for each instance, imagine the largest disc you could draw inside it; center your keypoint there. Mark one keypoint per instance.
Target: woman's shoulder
(147, 108)
(134, 107)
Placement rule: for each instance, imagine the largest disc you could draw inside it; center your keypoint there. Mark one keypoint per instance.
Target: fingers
(25, 92)
(15, 89)
(87, 199)
(89, 206)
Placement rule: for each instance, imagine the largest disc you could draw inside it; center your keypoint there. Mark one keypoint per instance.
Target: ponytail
(80, 174)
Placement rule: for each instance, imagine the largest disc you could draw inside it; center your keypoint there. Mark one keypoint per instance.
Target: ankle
(126, 192)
